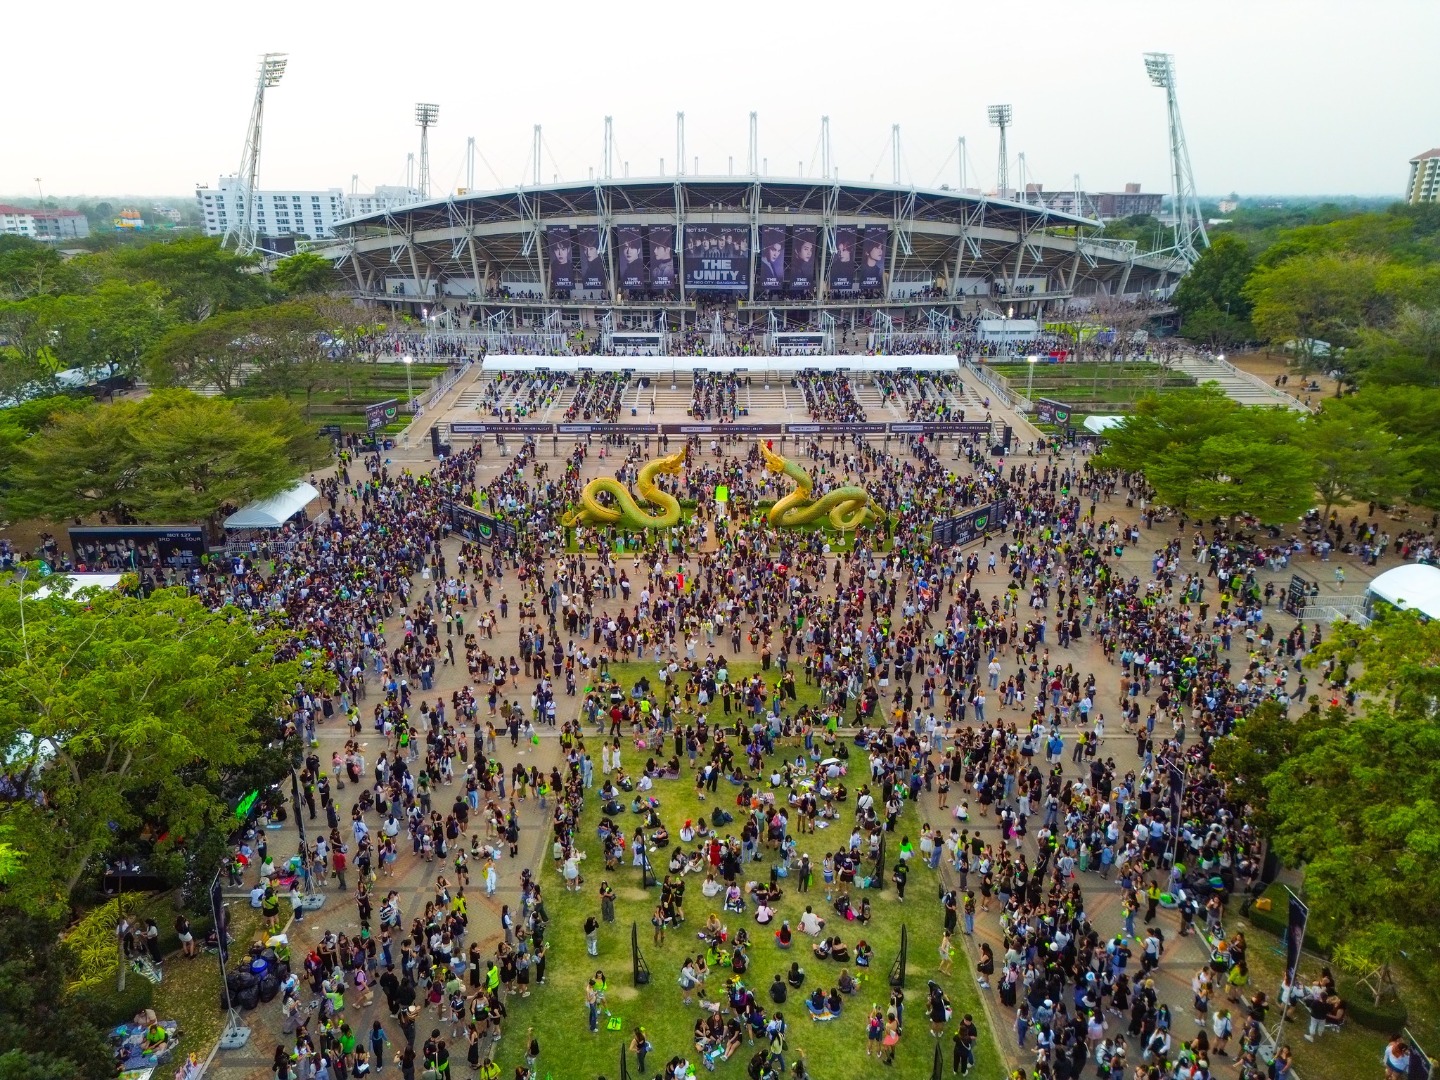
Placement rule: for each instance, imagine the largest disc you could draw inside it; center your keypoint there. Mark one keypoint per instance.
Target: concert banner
(772, 257)
(662, 256)
(378, 415)
(842, 260)
(561, 242)
(871, 260)
(1051, 412)
(804, 259)
(1298, 917)
(971, 525)
(630, 270)
(482, 528)
(717, 257)
(592, 259)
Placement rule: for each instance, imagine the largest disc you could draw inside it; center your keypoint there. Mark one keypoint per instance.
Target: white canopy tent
(664, 365)
(78, 583)
(1098, 425)
(273, 512)
(1412, 587)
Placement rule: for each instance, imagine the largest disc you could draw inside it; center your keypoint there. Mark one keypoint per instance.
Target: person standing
(641, 1045)
(947, 949)
(963, 1058)
(592, 935)
(592, 1006)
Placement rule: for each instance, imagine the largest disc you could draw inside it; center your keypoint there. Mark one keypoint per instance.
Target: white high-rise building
(384, 197)
(1424, 185)
(277, 213)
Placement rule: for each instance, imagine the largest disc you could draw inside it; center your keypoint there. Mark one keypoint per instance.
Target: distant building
(1424, 186)
(1229, 206)
(1106, 205)
(277, 213)
(50, 226)
(129, 219)
(166, 213)
(384, 197)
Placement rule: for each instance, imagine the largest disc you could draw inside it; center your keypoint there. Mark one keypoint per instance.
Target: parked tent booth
(274, 512)
(1412, 587)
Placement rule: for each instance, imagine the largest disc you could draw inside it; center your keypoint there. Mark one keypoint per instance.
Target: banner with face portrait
(562, 258)
(662, 256)
(804, 258)
(629, 257)
(870, 260)
(842, 259)
(592, 259)
(717, 257)
(771, 271)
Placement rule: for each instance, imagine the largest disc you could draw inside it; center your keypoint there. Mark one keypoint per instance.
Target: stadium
(787, 267)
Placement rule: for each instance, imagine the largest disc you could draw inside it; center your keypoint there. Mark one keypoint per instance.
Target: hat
(1049, 1004)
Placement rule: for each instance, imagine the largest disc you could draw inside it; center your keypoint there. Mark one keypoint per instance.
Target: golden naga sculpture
(847, 507)
(626, 513)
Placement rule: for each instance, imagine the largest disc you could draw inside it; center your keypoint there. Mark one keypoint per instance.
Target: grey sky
(1325, 96)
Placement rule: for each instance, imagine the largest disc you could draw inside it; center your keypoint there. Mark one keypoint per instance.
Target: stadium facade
(756, 248)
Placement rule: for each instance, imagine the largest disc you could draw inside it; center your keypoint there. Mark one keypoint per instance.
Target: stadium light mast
(895, 154)
(753, 166)
(607, 158)
(825, 147)
(1000, 117)
(535, 154)
(679, 144)
(241, 227)
(1190, 234)
(963, 163)
(426, 116)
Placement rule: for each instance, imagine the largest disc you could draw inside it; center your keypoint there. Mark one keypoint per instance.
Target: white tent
(1413, 586)
(78, 583)
(1098, 425)
(273, 512)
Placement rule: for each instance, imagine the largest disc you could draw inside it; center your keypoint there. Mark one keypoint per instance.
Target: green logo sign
(485, 531)
(981, 520)
(1062, 415)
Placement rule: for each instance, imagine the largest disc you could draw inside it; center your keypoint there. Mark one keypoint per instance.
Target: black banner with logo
(842, 260)
(561, 243)
(592, 259)
(971, 525)
(662, 256)
(717, 257)
(630, 259)
(378, 415)
(870, 273)
(607, 429)
(722, 429)
(470, 427)
(481, 528)
(836, 429)
(968, 428)
(804, 266)
(771, 271)
(1051, 412)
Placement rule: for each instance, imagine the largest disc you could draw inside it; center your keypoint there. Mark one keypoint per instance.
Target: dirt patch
(1272, 365)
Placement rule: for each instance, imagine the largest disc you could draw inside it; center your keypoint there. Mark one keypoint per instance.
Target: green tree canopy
(1312, 298)
(1211, 298)
(303, 273)
(174, 456)
(125, 711)
(1356, 459)
(197, 276)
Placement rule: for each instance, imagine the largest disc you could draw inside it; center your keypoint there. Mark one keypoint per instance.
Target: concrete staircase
(1237, 385)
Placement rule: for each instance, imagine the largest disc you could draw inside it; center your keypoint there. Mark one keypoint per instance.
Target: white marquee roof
(1413, 586)
(273, 512)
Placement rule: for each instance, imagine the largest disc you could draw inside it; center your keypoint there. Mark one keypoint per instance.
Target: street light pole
(407, 360)
(1030, 379)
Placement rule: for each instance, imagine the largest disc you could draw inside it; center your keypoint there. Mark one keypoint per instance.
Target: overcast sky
(1324, 96)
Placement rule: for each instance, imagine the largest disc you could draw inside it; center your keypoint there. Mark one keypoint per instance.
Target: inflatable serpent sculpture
(627, 513)
(847, 507)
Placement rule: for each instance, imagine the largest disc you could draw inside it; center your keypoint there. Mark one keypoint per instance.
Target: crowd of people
(927, 692)
(829, 397)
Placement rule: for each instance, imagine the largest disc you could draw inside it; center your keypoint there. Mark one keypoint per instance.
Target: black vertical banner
(771, 270)
(592, 259)
(630, 258)
(804, 259)
(871, 259)
(842, 262)
(662, 256)
(562, 258)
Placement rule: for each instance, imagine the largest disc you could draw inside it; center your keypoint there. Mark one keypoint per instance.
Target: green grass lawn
(835, 1050)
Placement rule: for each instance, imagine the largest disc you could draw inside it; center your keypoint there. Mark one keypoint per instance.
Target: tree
(1354, 457)
(303, 273)
(29, 268)
(1211, 297)
(1250, 753)
(1313, 298)
(1397, 656)
(198, 277)
(1163, 425)
(107, 331)
(1404, 353)
(1412, 413)
(175, 456)
(195, 455)
(122, 711)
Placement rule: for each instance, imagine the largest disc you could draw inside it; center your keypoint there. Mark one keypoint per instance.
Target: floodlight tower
(1190, 234)
(241, 227)
(1000, 117)
(426, 117)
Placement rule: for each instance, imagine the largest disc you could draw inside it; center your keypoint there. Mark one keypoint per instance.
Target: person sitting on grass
(848, 984)
(831, 948)
(863, 952)
(764, 913)
(796, 976)
(783, 937)
(810, 923)
(735, 899)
